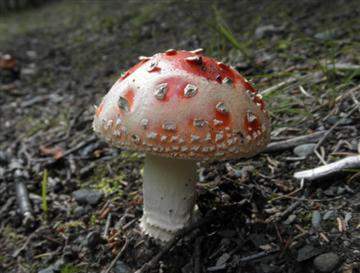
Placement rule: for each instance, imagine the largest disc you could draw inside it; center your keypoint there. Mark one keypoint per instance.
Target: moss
(69, 268)
(111, 185)
(11, 234)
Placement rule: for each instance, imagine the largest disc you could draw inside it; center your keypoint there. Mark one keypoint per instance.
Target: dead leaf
(283, 185)
(56, 152)
(7, 62)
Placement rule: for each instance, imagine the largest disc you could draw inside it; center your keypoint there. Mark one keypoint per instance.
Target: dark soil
(68, 54)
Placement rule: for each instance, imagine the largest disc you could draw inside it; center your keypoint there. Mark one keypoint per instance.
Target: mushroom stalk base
(169, 196)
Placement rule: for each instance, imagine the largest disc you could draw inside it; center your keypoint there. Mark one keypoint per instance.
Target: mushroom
(180, 107)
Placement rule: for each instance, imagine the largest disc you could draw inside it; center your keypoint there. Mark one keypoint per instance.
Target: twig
(257, 255)
(279, 85)
(179, 235)
(332, 128)
(321, 141)
(72, 150)
(28, 240)
(343, 66)
(314, 77)
(107, 225)
(121, 252)
(127, 225)
(293, 142)
(355, 100)
(5, 208)
(278, 216)
(79, 146)
(330, 169)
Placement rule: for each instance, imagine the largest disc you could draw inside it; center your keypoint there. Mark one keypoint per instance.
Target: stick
(28, 240)
(279, 85)
(121, 252)
(279, 216)
(107, 225)
(5, 208)
(258, 255)
(293, 142)
(314, 77)
(343, 66)
(330, 169)
(72, 150)
(334, 126)
(179, 235)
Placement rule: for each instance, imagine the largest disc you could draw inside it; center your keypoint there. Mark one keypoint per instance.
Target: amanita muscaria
(180, 107)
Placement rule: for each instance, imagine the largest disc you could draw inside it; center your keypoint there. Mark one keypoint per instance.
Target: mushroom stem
(169, 195)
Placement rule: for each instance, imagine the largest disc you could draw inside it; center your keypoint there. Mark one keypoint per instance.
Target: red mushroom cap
(183, 104)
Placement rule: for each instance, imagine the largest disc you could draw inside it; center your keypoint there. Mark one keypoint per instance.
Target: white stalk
(169, 195)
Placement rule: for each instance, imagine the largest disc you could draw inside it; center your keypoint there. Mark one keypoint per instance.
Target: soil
(69, 53)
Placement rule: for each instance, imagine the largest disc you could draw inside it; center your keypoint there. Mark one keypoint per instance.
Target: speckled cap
(182, 104)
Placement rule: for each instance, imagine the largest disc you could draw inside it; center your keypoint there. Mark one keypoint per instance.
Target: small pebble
(304, 150)
(307, 252)
(334, 119)
(54, 268)
(326, 262)
(4, 158)
(330, 214)
(348, 217)
(121, 267)
(85, 196)
(93, 239)
(340, 190)
(223, 259)
(326, 35)
(290, 219)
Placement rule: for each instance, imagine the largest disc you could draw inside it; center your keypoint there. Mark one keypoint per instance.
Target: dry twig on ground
(121, 252)
(330, 169)
(315, 77)
(293, 142)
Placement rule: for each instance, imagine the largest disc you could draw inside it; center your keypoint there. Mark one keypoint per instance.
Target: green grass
(44, 182)
(225, 31)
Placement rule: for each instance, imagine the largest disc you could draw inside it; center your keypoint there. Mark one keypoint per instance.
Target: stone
(93, 239)
(4, 158)
(85, 196)
(49, 269)
(342, 121)
(326, 35)
(326, 262)
(307, 252)
(304, 150)
(223, 259)
(54, 268)
(121, 267)
(79, 211)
